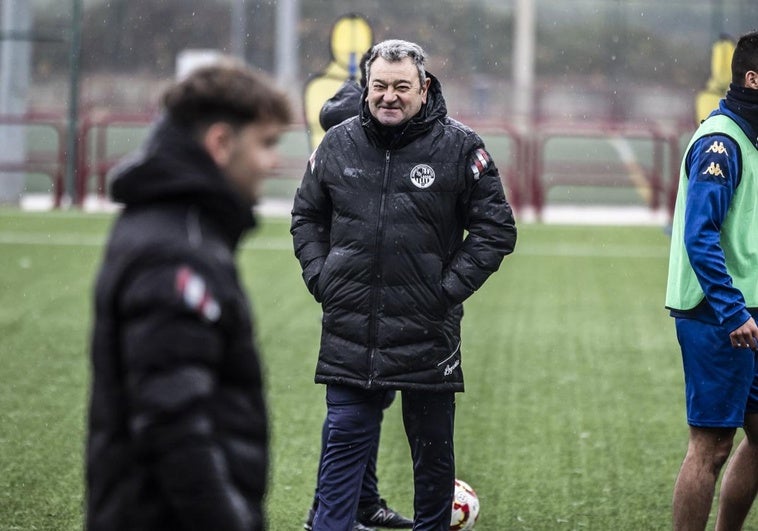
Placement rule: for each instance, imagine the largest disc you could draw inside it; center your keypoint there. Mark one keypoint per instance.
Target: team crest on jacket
(196, 295)
(422, 176)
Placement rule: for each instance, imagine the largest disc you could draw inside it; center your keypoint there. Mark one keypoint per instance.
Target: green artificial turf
(573, 414)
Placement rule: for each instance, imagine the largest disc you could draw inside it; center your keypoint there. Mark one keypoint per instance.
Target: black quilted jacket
(177, 422)
(394, 229)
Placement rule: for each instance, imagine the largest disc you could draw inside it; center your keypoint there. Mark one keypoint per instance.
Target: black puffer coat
(378, 226)
(345, 104)
(177, 423)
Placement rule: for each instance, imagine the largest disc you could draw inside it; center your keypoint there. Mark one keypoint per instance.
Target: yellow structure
(721, 75)
(350, 38)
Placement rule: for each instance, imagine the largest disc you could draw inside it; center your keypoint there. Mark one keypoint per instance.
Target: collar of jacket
(172, 168)
(743, 102)
(397, 137)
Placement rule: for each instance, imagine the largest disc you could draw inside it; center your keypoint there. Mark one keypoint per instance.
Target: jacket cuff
(454, 290)
(737, 320)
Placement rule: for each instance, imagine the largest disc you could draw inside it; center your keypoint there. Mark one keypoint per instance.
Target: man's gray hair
(395, 50)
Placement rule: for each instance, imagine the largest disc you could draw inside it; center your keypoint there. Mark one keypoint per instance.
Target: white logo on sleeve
(196, 294)
(422, 176)
(715, 170)
(717, 147)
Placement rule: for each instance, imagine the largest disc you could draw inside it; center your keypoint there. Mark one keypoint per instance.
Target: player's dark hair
(229, 93)
(745, 57)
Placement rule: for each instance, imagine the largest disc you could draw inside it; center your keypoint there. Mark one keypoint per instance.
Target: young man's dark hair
(745, 57)
(178, 431)
(224, 94)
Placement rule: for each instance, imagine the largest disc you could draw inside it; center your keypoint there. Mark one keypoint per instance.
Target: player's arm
(490, 225)
(311, 224)
(713, 176)
(171, 347)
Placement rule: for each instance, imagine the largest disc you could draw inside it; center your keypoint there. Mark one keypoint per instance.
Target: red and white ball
(465, 507)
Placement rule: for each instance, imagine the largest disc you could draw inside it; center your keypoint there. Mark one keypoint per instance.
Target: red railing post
(50, 163)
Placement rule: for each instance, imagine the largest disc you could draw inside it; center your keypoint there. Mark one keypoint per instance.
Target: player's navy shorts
(721, 384)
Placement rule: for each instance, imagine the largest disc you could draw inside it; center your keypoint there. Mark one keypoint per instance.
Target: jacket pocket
(325, 284)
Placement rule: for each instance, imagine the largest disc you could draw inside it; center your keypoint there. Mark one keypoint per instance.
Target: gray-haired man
(378, 226)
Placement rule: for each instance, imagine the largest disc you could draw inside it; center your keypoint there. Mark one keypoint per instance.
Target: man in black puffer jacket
(178, 435)
(378, 226)
(373, 510)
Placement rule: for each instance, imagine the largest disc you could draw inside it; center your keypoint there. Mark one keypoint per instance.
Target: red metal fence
(51, 161)
(95, 158)
(653, 172)
(528, 169)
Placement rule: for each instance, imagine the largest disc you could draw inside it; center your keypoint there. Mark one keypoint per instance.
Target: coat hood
(171, 167)
(434, 109)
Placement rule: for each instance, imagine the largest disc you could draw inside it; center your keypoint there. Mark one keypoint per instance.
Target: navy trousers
(370, 487)
(354, 418)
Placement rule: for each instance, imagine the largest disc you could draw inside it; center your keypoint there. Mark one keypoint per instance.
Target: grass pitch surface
(573, 414)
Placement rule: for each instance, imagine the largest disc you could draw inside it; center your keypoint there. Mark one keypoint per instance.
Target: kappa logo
(422, 176)
(715, 170)
(717, 147)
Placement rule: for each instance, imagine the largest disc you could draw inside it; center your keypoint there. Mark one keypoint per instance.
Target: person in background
(718, 83)
(346, 102)
(712, 293)
(351, 34)
(178, 431)
(373, 510)
(400, 217)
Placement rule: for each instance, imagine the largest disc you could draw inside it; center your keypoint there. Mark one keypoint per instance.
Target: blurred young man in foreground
(178, 435)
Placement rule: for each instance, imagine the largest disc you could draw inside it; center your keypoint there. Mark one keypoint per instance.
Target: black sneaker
(308, 525)
(379, 515)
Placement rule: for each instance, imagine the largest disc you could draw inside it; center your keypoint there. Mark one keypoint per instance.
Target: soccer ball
(465, 507)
